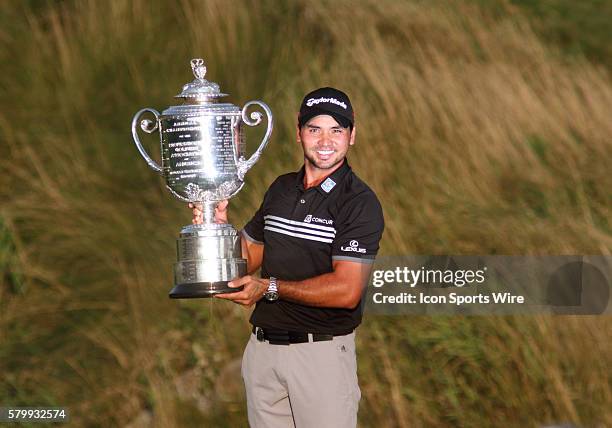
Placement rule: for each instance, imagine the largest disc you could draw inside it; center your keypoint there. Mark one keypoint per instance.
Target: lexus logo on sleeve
(353, 247)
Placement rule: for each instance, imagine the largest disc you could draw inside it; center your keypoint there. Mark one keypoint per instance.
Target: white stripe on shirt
(300, 223)
(300, 229)
(298, 235)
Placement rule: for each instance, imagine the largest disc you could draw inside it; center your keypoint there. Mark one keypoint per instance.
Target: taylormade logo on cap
(313, 101)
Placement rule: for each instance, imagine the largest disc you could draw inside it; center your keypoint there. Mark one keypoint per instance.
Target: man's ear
(352, 140)
(297, 120)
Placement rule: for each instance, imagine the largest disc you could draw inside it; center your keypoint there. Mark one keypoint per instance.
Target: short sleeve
(359, 228)
(254, 229)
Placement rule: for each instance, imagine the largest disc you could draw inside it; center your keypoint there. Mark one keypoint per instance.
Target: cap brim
(314, 112)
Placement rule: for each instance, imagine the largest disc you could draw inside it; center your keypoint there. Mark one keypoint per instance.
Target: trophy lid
(200, 89)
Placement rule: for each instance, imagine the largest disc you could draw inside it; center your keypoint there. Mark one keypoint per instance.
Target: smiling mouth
(325, 152)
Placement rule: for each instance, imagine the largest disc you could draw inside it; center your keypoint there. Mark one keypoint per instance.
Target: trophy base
(208, 257)
(197, 290)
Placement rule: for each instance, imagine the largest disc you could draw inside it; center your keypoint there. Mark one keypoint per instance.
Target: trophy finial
(200, 90)
(198, 68)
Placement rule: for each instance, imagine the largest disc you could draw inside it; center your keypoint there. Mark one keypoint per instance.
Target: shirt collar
(329, 183)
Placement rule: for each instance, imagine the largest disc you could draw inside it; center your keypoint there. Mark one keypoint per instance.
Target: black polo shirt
(303, 231)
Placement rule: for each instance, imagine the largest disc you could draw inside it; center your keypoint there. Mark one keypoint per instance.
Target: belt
(285, 337)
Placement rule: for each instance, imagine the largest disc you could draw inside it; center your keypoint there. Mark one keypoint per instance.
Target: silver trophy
(202, 155)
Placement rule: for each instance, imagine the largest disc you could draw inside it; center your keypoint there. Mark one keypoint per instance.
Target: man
(315, 237)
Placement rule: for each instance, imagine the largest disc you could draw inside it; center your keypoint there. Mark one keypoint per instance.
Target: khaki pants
(301, 385)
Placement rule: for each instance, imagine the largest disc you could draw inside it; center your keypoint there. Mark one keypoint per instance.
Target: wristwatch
(272, 293)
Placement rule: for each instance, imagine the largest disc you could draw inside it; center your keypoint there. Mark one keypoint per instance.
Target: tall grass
(477, 137)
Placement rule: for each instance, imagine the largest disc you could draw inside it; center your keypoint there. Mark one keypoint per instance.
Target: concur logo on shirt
(310, 219)
(353, 246)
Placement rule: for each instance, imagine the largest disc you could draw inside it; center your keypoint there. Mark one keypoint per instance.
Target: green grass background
(484, 127)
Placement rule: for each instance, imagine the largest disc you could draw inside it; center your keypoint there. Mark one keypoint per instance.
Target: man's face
(325, 142)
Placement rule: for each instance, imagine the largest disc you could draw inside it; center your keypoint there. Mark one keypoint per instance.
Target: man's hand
(220, 212)
(254, 289)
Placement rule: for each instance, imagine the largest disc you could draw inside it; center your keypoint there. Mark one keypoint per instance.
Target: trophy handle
(243, 165)
(147, 126)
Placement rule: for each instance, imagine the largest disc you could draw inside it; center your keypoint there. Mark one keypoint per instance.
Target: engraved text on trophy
(199, 150)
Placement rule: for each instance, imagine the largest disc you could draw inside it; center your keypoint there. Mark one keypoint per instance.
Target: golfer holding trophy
(203, 162)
